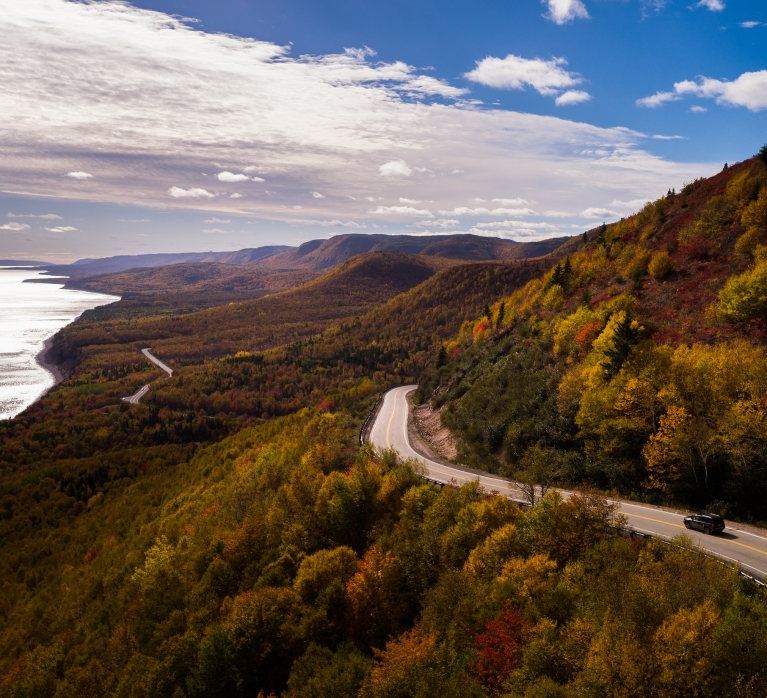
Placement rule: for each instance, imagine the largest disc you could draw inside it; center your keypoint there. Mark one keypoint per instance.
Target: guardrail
(369, 419)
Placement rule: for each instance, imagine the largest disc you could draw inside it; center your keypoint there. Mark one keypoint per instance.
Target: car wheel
(706, 530)
(687, 526)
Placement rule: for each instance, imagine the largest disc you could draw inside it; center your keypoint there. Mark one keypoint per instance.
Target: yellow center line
(724, 540)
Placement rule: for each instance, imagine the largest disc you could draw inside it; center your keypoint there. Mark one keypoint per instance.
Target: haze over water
(30, 314)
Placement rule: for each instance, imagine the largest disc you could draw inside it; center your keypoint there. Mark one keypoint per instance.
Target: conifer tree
(624, 340)
(763, 153)
(442, 357)
(501, 315)
(602, 235)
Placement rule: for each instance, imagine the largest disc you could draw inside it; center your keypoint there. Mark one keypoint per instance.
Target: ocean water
(30, 314)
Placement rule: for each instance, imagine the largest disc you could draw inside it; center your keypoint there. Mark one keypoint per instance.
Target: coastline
(57, 371)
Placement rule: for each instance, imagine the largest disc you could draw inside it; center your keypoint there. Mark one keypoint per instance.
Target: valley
(226, 533)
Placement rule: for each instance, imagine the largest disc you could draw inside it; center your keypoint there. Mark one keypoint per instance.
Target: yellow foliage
(683, 669)
(660, 265)
(554, 298)
(487, 559)
(668, 449)
(567, 327)
(159, 566)
(528, 577)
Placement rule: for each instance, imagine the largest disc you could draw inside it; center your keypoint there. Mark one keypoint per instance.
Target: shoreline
(57, 371)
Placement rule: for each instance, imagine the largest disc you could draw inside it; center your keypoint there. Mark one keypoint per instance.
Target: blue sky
(144, 132)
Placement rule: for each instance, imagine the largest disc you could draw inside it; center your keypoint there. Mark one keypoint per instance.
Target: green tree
(216, 674)
(624, 339)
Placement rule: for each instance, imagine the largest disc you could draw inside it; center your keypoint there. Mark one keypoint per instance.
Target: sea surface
(30, 314)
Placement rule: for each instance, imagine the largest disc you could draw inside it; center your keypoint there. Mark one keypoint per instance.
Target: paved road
(156, 361)
(143, 390)
(390, 430)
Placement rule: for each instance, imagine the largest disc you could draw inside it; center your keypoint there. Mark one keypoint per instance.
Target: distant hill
(197, 278)
(323, 254)
(21, 263)
(89, 267)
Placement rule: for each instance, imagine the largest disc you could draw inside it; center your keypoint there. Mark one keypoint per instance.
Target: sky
(194, 125)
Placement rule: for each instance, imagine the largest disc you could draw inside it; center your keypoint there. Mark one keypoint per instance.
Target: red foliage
(497, 648)
(587, 335)
(327, 406)
(457, 351)
(92, 555)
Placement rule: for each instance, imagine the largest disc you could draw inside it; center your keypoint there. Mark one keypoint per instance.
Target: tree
(602, 235)
(763, 153)
(216, 673)
(625, 337)
(540, 467)
(501, 315)
(441, 357)
(486, 312)
(497, 648)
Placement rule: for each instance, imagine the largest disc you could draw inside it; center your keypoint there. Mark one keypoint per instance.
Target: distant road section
(156, 361)
(390, 430)
(136, 397)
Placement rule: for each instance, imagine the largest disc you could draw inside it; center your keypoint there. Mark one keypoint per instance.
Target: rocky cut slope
(636, 363)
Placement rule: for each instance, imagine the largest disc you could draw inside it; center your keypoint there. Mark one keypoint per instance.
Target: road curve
(147, 352)
(143, 390)
(390, 430)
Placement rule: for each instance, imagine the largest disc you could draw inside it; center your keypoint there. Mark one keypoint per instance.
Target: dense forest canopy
(230, 537)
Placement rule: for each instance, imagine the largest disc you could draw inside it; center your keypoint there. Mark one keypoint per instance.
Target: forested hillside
(229, 537)
(637, 364)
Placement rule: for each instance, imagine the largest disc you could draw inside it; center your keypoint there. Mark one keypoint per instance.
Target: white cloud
(402, 211)
(231, 177)
(16, 227)
(564, 11)
(216, 220)
(513, 225)
(317, 195)
(481, 211)
(328, 224)
(657, 99)
(257, 179)
(62, 229)
(509, 202)
(395, 168)
(179, 193)
(236, 195)
(47, 216)
(750, 25)
(403, 200)
(558, 214)
(79, 175)
(633, 205)
(216, 230)
(439, 223)
(659, 137)
(251, 107)
(515, 73)
(697, 109)
(572, 97)
(713, 5)
(598, 213)
(749, 90)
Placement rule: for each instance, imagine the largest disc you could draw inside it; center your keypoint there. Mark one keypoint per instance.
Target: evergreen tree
(501, 315)
(602, 235)
(442, 357)
(763, 153)
(486, 312)
(625, 338)
(584, 238)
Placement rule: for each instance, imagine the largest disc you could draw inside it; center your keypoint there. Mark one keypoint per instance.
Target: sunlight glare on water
(30, 314)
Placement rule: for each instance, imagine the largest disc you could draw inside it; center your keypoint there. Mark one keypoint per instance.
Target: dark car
(708, 523)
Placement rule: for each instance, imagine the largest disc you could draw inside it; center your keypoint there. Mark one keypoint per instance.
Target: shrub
(744, 296)
(660, 265)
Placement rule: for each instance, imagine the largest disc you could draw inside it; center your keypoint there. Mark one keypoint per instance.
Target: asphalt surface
(390, 430)
(143, 390)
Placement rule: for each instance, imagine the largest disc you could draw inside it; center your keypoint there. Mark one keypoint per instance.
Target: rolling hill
(322, 254)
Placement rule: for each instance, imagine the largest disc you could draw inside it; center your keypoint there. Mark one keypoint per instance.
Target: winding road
(144, 389)
(390, 430)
